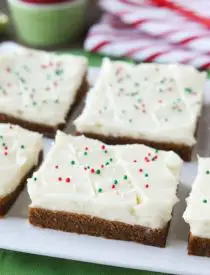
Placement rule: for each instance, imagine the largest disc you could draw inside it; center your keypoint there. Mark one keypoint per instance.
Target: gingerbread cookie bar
(124, 192)
(197, 213)
(20, 153)
(154, 104)
(39, 89)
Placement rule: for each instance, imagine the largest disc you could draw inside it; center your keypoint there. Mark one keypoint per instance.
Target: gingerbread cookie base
(48, 130)
(198, 246)
(94, 226)
(184, 151)
(7, 201)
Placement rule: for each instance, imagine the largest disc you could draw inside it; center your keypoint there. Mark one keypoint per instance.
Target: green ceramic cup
(50, 24)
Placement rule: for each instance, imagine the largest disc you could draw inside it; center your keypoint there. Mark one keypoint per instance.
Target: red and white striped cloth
(161, 22)
(197, 10)
(113, 37)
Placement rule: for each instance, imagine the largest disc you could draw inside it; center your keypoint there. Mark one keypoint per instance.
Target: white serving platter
(16, 233)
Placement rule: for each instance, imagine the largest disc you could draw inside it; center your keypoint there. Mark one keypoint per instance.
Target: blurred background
(142, 30)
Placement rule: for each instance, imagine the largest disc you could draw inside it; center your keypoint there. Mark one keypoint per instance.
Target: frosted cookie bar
(124, 192)
(38, 89)
(197, 213)
(154, 104)
(20, 153)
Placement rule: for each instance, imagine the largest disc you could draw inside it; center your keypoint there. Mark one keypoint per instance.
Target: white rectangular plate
(17, 234)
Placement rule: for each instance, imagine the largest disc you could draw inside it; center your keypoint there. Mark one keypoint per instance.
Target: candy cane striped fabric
(197, 10)
(112, 37)
(150, 19)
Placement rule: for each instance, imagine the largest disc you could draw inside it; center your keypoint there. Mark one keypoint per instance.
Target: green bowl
(48, 25)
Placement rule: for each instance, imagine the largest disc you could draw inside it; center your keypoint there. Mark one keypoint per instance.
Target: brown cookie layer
(7, 201)
(94, 226)
(198, 246)
(47, 130)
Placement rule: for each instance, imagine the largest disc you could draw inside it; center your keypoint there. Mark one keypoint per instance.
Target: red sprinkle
(146, 159)
(103, 147)
(68, 180)
(113, 186)
(43, 66)
(8, 70)
(5, 153)
(140, 170)
(92, 171)
(60, 179)
(85, 168)
(86, 148)
(135, 161)
(5, 148)
(56, 166)
(149, 154)
(102, 166)
(146, 185)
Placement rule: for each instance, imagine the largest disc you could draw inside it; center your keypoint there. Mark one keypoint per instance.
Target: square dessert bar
(197, 213)
(38, 89)
(124, 192)
(154, 104)
(20, 153)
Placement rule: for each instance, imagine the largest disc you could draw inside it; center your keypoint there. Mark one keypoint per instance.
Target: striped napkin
(145, 32)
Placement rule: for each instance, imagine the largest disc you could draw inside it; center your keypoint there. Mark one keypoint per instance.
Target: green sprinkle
(34, 178)
(3, 144)
(22, 80)
(156, 150)
(146, 175)
(105, 152)
(34, 103)
(110, 159)
(107, 163)
(72, 162)
(207, 172)
(1, 137)
(98, 172)
(125, 177)
(115, 182)
(85, 153)
(99, 190)
(88, 167)
(59, 72)
(188, 90)
(204, 201)
(22, 146)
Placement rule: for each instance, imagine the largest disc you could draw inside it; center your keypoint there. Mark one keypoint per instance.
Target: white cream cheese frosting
(149, 101)
(134, 184)
(38, 86)
(197, 213)
(19, 152)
